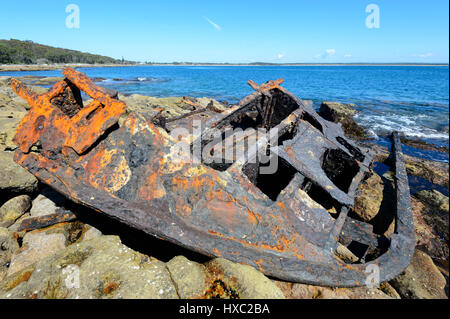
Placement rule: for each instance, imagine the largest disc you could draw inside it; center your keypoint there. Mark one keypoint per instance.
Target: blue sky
(322, 31)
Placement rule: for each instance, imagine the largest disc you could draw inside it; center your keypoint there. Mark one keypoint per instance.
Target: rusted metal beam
(39, 222)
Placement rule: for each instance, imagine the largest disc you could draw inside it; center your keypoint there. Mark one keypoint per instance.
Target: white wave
(383, 124)
(372, 134)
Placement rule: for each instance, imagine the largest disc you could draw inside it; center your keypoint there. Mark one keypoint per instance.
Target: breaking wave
(409, 125)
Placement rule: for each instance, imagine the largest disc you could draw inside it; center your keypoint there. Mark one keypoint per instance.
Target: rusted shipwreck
(288, 223)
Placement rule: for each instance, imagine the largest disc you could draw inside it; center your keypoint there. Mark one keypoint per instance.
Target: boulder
(9, 120)
(36, 245)
(368, 197)
(97, 268)
(13, 209)
(303, 291)
(345, 255)
(435, 172)
(220, 278)
(389, 290)
(343, 113)
(90, 233)
(373, 203)
(235, 280)
(172, 106)
(189, 277)
(422, 145)
(425, 231)
(434, 199)
(46, 203)
(431, 214)
(4, 100)
(16, 226)
(421, 280)
(8, 246)
(14, 179)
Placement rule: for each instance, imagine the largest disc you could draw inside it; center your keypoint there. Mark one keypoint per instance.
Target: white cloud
(280, 56)
(218, 28)
(347, 55)
(426, 55)
(327, 53)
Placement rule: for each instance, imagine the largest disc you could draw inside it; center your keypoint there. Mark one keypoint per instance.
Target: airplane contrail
(218, 28)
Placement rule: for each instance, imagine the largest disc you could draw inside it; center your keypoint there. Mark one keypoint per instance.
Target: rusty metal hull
(288, 225)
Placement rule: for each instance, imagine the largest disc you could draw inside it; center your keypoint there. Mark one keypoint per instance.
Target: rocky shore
(103, 259)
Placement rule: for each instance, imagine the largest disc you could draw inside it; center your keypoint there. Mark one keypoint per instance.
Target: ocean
(410, 99)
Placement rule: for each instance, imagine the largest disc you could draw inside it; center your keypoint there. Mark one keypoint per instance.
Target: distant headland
(17, 55)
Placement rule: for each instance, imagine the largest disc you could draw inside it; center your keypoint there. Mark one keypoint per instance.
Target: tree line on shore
(27, 52)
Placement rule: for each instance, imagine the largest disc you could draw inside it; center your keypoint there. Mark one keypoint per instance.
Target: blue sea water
(410, 99)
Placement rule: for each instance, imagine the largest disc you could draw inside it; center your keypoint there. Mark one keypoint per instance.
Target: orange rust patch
(258, 262)
(152, 188)
(110, 287)
(252, 217)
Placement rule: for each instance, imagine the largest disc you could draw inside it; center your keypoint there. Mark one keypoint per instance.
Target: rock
(98, 268)
(90, 233)
(435, 172)
(9, 120)
(345, 255)
(8, 245)
(373, 203)
(422, 145)
(380, 153)
(240, 281)
(36, 245)
(421, 280)
(334, 111)
(4, 100)
(431, 223)
(13, 209)
(46, 203)
(368, 197)
(434, 199)
(426, 234)
(303, 291)
(389, 290)
(220, 278)
(14, 179)
(190, 278)
(172, 106)
(50, 80)
(343, 113)
(15, 227)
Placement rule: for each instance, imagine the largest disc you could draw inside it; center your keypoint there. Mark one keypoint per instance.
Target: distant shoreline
(295, 64)
(50, 67)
